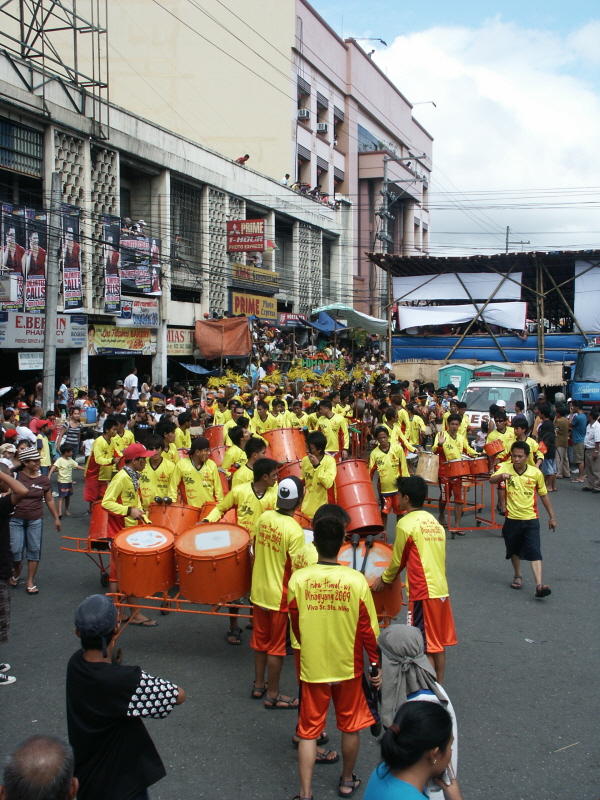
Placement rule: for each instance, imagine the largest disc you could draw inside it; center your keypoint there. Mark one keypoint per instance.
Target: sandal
(542, 590)
(299, 797)
(257, 694)
(323, 739)
(147, 623)
(322, 758)
(33, 590)
(14, 582)
(271, 703)
(515, 584)
(233, 636)
(352, 784)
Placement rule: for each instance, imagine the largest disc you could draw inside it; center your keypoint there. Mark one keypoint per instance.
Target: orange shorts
(389, 504)
(434, 619)
(93, 489)
(269, 631)
(352, 701)
(450, 487)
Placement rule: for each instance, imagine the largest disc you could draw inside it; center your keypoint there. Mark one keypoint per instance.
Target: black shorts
(522, 539)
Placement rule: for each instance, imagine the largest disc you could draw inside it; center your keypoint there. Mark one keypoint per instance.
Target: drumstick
(368, 546)
(355, 539)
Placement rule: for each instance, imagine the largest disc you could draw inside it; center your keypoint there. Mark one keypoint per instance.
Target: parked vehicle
(487, 388)
(583, 377)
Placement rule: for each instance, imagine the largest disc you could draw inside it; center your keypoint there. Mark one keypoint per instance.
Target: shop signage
(139, 312)
(254, 304)
(26, 331)
(291, 320)
(31, 360)
(180, 342)
(245, 276)
(246, 235)
(107, 340)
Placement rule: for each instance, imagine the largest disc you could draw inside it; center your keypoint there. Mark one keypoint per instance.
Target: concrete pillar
(408, 234)
(161, 228)
(295, 265)
(270, 259)
(205, 223)
(78, 368)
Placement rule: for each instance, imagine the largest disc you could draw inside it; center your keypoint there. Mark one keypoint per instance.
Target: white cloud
(516, 110)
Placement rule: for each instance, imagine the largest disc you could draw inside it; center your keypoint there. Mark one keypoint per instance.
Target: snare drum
(285, 444)
(493, 448)
(144, 560)
(175, 517)
(456, 468)
(228, 516)
(214, 563)
(479, 465)
(388, 602)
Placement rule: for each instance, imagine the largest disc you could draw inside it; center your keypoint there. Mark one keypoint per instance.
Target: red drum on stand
(175, 517)
(293, 468)
(456, 468)
(229, 516)
(285, 444)
(479, 466)
(215, 435)
(214, 563)
(355, 493)
(493, 448)
(98, 522)
(217, 454)
(388, 602)
(144, 560)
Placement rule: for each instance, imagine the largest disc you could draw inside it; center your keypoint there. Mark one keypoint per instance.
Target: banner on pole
(111, 237)
(70, 254)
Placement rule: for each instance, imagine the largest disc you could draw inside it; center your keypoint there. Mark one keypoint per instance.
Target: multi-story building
(273, 80)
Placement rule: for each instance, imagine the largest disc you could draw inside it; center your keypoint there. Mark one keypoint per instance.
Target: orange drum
(388, 602)
(183, 452)
(98, 522)
(479, 466)
(175, 517)
(144, 560)
(293, 468)
(493, 448)
(356, 495)
(228, 516)
(214, 434)
(285, 444)
(214, 563)
(217, 455)
(456, 468)
(307, 525)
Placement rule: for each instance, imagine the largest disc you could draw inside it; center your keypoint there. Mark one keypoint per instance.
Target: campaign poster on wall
(14, 242)
(112, 265)
(34, 261)
(140, 265)
(70, 253)
(108, 340)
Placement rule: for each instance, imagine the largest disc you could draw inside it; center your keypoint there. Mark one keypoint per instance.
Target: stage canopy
(456, 286)
(355, 319)
(505, 315)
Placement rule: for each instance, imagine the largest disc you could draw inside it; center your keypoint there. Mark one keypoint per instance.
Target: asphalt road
(521, 678)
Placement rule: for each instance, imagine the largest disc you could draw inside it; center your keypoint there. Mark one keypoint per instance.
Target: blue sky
(517, 117)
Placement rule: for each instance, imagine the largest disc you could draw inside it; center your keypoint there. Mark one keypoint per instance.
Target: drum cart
(484, 490)
(96, 550)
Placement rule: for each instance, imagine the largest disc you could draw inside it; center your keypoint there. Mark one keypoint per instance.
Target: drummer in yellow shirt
(235, 457)
(297, 417)
(183, 438)
(278, 537)
(261, 421)
(254, 449)
(237, 413)
(415, 426)
(219, 417)
(123, 437)
(319, 472)
(167, 429)
(335, 428)
(278, 414)
(450, 445)
(156, 475)
(195, 479)
(390, 463)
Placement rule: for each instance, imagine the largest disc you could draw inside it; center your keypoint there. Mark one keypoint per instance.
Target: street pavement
(521, 678)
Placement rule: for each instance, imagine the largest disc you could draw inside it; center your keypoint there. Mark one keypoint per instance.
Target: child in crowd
(87, 442)
(481, 437)
(64, 465)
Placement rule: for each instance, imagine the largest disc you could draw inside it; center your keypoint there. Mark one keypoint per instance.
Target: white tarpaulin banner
(480, 285)
(587, 296)
(505, 315)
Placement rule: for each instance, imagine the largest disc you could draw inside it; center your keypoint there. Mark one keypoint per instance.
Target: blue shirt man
(578, 425)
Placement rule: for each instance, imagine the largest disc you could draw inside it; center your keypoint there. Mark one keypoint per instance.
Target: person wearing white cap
(278, 537)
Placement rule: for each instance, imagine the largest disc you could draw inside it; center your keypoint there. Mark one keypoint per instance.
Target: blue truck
(583, 377)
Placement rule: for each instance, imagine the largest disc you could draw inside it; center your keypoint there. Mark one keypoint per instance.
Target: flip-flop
(14, 582)
(147, 623)
(321, 758)
(514, 584)
(542, 590)
(33, 590)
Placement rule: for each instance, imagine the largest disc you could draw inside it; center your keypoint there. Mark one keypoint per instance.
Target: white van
(487, 388)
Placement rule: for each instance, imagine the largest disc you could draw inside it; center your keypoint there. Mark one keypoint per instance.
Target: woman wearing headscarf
(408, 675)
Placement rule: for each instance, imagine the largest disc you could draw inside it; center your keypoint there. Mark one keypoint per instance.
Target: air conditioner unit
(303, 113)
(321, 127)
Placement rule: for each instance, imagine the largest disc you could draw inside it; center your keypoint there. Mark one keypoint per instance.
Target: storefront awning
(355, 318)
(325, 323)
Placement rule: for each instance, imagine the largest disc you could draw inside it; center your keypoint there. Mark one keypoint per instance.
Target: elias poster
(112, 265)
(140, 264)
(13, 251)
(70, 251)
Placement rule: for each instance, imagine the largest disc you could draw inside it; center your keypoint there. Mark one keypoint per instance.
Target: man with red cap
(124, 504)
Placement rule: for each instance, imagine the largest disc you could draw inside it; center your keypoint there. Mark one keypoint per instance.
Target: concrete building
(273, 80)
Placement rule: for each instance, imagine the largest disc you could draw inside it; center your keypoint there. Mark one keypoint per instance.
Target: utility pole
(509, 242)
(49, 380)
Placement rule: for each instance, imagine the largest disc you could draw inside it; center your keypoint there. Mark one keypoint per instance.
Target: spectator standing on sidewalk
(561, 429)
(132, 394)
(592, 460)
(578, 427)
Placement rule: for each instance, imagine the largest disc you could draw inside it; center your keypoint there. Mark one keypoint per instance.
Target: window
(186, 242)
(367, 141)
(21, 149)
(588, 368)
(480, 398)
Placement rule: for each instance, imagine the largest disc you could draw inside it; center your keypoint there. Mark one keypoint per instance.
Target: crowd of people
(140, 442)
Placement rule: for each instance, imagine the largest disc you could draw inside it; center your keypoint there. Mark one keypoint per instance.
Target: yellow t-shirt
(155, 482)
(197, 486)
(420, 546)
(233, 455)
(243, 475)
(318, 484)
(292, 420)
(183, 439)
(346, 411)
(278, 421)
(403, 419)
(102, 455)
(120, 495)
(534, 452)
(305, 557)
(414, 428)
(64, 467)
(521, 500)
(249, 506)
(397, 436)
(121, 441)
(219, 417)
(452, 449)
(333, 619)
(507, 438)
(389, 465)
(171, 454)
(278, 537)
(44, 450)
(258, 426)
(336, 431)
